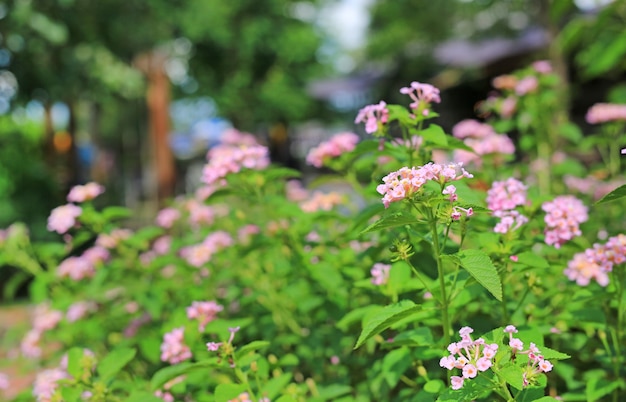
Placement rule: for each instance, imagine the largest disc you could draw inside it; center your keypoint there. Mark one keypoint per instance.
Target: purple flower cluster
(422, 96)
(470, 356)
(483, 140)
(173, 348)
(502, 198)
(380, 273)
(564, 214)
(606, 112)
(227, 158)
(536, 363)
(374, 117)
(406, 182)
(597, 262)
(204, 312)
(337, 145)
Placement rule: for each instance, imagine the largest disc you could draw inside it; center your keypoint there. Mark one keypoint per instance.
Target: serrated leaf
(167, 373)
(392, 220)
(616, 194)
(551, 354)
(384, 318)
(114, 362)
(250, 347)
(479, 265)
(226, 392)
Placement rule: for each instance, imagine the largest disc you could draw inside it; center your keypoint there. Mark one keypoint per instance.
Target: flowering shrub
(257, 288)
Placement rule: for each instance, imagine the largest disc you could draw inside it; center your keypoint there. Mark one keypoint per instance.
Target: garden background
(282, 242)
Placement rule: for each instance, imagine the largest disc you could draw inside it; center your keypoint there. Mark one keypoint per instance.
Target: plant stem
(445, 320)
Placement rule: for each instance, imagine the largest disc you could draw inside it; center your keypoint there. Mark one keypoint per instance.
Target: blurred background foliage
(79, 79)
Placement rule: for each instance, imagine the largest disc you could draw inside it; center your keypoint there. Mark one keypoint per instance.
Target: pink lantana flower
(87, 192)
(63, 218)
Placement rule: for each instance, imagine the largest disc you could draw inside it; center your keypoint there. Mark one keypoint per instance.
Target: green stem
(445, 320)
(419, 275)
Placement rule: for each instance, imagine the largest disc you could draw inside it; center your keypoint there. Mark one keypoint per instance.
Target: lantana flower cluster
(406, 182)
(83, 266)
(483, 139)
(596, 262)
(502, 199)
(199, 254)
(536, 363)
(232, 157)
(63, 218)
(374, 116)
(334, 147)
(380, 273)
(173, 348)
(468, 355)
(606, 112)
(44, 319)
(204, 312)
(422, 96)
(564, 214)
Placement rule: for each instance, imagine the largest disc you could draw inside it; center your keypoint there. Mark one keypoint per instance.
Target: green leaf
(380, 320)
(434, 134)
(226, 392)
(277, 173)
(479, 265)
(114, 213)
(616, 194)
(392, 220)
(286, 398)
(70, 393)
(142, 396)
(167, 373)
(331, 392)
(395, 363)
(551, 354)
(272, 388)
(74, 356)
(250, 347)
(434, 386)
(114, 362)
(513, 375)
(532, 260)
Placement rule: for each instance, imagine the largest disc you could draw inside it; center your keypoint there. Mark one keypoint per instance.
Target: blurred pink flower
(564, 214)
(374, 117)
(167, 216)
(46, 384)
(320, 201)
(421, 94)
(63, 218)
(334, 147)
(76, 268)
(605, 112)
(85, 192)
(173, 348)
(204, 312)
(380, 273)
